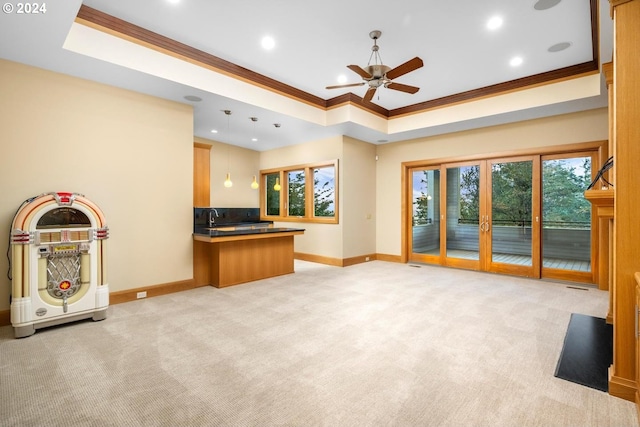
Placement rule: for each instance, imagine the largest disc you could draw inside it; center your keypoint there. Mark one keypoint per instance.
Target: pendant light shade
(277, 187)
(254, 183)
(227, 182)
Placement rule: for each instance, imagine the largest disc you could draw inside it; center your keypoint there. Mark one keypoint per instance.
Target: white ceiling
(315, 41)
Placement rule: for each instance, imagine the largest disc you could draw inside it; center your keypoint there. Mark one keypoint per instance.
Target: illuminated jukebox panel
(58, 262)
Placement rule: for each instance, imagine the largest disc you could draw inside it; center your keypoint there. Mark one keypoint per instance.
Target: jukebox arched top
(64, 217)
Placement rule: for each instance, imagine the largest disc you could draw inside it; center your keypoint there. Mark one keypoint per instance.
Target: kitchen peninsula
(235, 247)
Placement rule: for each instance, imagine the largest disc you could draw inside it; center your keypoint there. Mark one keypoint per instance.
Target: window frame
(309, 196)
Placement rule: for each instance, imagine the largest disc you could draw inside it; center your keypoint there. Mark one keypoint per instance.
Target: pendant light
(254, 183)
(277, 186)
(227, 181)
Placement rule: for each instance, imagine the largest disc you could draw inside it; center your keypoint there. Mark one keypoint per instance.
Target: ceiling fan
(378, 74)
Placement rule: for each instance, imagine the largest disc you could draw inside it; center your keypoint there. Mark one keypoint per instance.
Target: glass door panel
(510, 226)
(463, 213)
(425, 223)
(566, 215)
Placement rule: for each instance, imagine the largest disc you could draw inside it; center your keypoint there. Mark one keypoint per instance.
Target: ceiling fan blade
(359, 71)
(403, 88)
(347, 85)
(369, 95)
(407, 67)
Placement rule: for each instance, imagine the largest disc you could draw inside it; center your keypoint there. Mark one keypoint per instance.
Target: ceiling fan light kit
(377, 74)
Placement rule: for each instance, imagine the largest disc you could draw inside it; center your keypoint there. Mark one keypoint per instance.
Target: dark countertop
(226, 231)
(256, 224)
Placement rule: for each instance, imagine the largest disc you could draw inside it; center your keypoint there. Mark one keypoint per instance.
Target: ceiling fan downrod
(375, 49)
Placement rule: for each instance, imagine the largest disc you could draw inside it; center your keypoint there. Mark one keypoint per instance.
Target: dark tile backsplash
(224, 216)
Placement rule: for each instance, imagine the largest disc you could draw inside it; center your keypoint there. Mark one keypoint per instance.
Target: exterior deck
(562, 264)
(565, 248)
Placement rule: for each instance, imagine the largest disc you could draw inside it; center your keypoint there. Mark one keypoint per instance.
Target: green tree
(511, 193)
(296, 193)
(421, 210)
(563, 192)
(470, 193)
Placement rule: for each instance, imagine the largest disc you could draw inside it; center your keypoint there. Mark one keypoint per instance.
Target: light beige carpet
(376, 344)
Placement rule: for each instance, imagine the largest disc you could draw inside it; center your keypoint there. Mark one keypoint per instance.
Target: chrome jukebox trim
(102, 233)
(20, 237)
(65, 198)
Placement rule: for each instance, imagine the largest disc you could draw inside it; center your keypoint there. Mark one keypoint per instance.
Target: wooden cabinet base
(622, 387)
(241, 261)
(201, 274)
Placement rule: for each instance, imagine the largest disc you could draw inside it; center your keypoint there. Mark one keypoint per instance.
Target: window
(296, 183)
(272, 204)
(324, 200)
(304, 193)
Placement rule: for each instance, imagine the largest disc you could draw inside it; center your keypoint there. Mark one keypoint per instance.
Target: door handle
(484, 223)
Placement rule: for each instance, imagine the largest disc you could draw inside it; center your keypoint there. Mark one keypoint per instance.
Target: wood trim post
(626, 229)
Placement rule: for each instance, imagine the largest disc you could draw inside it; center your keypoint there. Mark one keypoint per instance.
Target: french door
(488, 215)
(512, 220)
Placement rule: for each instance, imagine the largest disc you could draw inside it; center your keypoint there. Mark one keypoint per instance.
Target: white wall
(131, 154)
(359, 202)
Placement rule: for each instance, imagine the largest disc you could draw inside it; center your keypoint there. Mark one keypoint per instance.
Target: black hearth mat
(587, 352)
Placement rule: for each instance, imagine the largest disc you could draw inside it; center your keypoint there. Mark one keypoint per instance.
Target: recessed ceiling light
(559, 46)
(494, 23)
(515, 61)
(545, 4)
(268, 42)
(254, 139)
(342, 79)
(214, 131)
(174, 1)
(193, 98)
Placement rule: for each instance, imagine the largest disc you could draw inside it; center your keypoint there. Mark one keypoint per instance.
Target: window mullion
(308, 193)
(284, 193)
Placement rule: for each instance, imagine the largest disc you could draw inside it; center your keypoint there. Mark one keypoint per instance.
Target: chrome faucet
(212, 220)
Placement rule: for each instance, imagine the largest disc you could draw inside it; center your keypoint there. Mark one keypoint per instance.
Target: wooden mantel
(601, 198)
(604, 202)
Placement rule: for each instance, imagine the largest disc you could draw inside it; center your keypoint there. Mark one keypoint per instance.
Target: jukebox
(58, 262)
